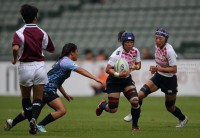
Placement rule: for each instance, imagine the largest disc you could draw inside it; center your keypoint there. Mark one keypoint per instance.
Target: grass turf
(81, 121)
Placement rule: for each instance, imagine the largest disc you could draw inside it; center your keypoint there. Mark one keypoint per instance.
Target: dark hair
(120, 35)
(67, 49)
(88, 51)
(28, 13)
(101, 51)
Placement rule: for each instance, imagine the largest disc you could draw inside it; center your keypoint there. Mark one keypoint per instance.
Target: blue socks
(104, 105)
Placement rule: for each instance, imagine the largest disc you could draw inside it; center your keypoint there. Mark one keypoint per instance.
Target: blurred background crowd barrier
(94, 24)
(78, 85)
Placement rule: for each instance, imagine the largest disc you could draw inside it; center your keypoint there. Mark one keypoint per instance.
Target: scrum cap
(162, 32)
(127, 36)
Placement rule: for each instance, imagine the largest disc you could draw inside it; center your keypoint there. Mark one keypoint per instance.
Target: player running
(122, 82)
(164, 77)
(28, 43)
(57, 75)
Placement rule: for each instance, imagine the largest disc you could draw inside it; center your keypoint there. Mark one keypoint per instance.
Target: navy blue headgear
(162, 32)
(127, 36)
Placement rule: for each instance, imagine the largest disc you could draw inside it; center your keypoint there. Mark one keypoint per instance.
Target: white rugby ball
(120, 65)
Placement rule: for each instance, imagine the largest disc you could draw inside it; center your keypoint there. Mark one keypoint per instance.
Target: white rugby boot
(128, 118)
(8, 125)
(183, 122)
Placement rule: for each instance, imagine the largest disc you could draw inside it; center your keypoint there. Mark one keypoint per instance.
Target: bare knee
(62, 111)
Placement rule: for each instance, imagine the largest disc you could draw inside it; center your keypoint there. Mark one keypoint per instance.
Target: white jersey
(132, 57)
(164, 58)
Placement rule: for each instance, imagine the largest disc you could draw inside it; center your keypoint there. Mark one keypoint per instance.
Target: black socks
(135, 116)
(48, 119)
(27, 107)
(36, 108)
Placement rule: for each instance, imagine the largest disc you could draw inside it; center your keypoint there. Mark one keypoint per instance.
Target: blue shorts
(114, 84)
(168, 85)
(49, 96)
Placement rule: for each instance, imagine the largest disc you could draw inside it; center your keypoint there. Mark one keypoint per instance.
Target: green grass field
(81, 121)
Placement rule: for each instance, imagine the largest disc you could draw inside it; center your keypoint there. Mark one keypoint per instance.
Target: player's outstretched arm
(87, 74)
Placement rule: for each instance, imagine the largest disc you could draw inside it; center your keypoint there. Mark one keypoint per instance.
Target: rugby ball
(120, 65)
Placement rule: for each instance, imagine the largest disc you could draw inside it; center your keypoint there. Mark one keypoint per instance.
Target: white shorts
(32, 73)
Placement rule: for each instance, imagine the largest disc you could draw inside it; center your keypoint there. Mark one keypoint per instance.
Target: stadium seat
(97, 25)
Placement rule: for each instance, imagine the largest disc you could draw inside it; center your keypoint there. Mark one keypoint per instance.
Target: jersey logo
(134, 56)
(169, 91)
(117, 53)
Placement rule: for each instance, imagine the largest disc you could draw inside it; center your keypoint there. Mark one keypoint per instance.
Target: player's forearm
(110, 70)
(61, 89)
(15, 51)
(167, 70)
(85, 73)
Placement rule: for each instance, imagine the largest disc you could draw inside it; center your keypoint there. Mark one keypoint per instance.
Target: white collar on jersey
(30, 25)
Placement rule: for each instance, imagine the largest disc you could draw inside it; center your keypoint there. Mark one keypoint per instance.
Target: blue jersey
(59, 73)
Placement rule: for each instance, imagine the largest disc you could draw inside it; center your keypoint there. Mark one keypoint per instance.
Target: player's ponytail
(120, 35)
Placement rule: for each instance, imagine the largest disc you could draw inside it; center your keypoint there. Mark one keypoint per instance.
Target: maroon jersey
(32, 40)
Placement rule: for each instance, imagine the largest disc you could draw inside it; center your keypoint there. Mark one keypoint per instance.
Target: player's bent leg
(147, 89)
(135, 112)
(60, 110)
(170, 105)
(134, 102)
(113, 104)
(132, 96)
